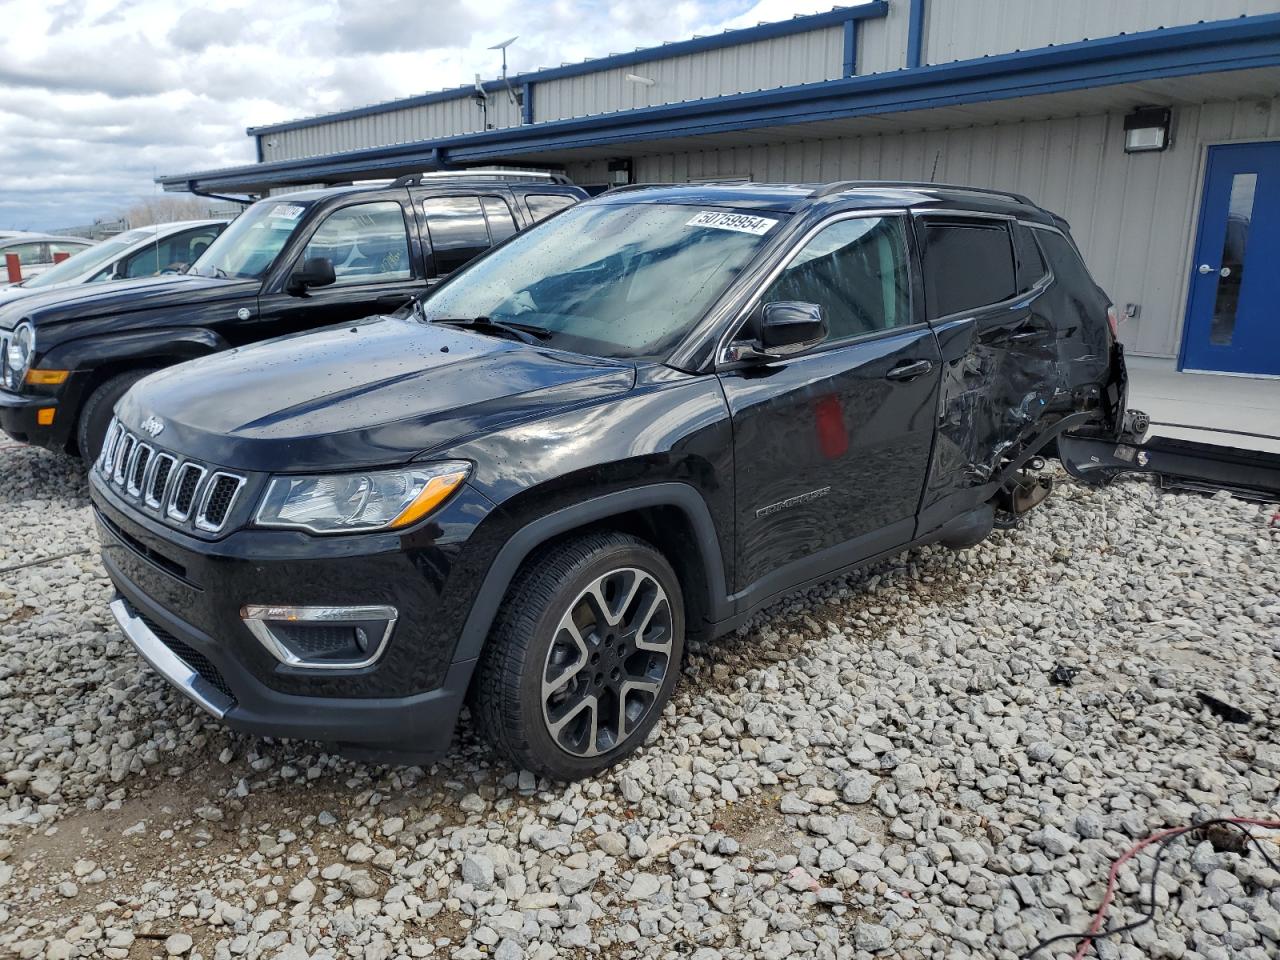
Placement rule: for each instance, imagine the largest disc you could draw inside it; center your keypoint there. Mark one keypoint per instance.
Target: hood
(13, 292)
(86, 301)
(380, 392)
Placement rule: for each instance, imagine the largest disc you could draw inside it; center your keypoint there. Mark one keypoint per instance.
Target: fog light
(322, 638)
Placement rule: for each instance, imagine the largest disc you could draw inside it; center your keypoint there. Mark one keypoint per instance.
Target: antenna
(503, 47)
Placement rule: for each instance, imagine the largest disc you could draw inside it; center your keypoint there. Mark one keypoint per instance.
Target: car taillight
(1113, 321)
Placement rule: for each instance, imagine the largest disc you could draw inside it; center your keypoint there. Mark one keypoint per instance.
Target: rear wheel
(95, 415)
(583, 656)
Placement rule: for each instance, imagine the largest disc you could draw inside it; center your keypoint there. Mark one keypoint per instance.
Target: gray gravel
(877, 768)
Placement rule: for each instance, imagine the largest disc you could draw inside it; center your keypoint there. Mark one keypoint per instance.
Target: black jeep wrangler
(648, 417)
(288, 263)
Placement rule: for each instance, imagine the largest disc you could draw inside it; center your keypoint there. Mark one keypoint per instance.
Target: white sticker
(738, 222)
(287, 211)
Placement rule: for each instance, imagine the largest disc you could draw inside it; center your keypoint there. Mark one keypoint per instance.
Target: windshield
(248, 247)
(88, 262)
(613, 280)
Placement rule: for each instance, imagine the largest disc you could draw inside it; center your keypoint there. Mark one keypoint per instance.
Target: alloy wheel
(607, 662)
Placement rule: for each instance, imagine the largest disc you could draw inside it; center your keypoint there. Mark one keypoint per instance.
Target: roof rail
(417, 179)
(840, 186)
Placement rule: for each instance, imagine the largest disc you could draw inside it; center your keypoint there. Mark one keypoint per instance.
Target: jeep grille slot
(183, 493)
(139, 469)
(159, 479)
(219, 495)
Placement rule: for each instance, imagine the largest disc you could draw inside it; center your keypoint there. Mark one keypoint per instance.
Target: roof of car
(794, 197)
(16, 236)
(454, 183)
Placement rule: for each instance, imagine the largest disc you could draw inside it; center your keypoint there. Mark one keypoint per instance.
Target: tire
(96, 413)
(538, 689)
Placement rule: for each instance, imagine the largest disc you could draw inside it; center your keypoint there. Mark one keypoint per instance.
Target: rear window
(968, 264)
(1030, 263)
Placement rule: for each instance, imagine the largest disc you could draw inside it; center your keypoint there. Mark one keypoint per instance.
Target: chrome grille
(181, 491)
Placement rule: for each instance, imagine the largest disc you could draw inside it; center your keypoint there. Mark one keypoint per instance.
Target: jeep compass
(646, 418)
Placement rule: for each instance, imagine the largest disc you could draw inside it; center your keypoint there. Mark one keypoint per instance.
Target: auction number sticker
(287, 211)
(738, 222)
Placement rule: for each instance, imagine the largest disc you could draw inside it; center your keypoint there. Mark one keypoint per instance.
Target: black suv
(289, 263)
(648, 417)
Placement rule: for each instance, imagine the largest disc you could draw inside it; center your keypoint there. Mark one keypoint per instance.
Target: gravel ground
(878, 767)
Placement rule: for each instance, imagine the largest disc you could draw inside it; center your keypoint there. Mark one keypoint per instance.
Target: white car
(141, 252)
(35, 251)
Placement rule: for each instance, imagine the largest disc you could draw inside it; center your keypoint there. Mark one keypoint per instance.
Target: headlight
(349, 502)
(17, 359)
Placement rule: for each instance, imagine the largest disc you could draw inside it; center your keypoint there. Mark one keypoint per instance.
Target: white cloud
(96, 96)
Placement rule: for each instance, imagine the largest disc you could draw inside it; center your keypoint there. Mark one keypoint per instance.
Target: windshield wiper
(524, 332)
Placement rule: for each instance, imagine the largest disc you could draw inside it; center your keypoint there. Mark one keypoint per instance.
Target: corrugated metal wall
(763, 65)
(443, 119)
(1132, 214)
(963, 29)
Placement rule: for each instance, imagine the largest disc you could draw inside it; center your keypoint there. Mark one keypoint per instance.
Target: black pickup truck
(287, 264)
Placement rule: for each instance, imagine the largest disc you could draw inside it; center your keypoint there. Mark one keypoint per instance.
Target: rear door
(371, 248)
(984, 277)
(461, 226)
(831, 447)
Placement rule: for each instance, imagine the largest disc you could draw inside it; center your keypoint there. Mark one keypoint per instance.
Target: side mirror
(781, 329)
(314, 272)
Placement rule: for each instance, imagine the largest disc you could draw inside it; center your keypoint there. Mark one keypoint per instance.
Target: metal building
(1153, 126)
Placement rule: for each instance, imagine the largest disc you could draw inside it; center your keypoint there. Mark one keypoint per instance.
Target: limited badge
(244, 313)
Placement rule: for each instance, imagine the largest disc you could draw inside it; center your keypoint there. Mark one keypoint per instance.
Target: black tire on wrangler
(95, 415)
(582, 657)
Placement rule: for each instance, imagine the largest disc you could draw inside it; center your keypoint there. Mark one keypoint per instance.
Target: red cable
(1101, 913)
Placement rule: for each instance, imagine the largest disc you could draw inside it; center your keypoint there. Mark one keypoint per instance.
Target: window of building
(543, 205)
(458, 231)
(856, 271)
(968, 263)
(366, 243)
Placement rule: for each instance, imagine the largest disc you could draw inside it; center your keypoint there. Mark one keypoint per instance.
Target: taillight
(1113, 321)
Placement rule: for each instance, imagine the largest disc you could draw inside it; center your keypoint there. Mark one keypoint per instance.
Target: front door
(831, 447)
(374, 269)
(1232, 322)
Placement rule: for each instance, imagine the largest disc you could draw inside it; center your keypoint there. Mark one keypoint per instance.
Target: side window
(1030, 262)
(366, 243)
(856, 271)
(501, 223)
(68, 248)
(457, 229)
(197, 241)
(543, 205)
(29, 253)
(967, 264)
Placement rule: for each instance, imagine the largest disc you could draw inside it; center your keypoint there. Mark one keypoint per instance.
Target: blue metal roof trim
(730, 38)
(1213, 47)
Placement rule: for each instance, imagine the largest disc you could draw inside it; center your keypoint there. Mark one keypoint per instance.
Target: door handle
(1205, 269)
(909, 371)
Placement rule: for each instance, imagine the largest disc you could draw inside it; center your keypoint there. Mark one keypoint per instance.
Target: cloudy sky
(98, 96)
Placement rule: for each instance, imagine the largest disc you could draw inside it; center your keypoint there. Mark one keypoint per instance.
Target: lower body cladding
(347, 640)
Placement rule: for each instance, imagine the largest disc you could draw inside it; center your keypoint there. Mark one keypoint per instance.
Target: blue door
(1233, 311)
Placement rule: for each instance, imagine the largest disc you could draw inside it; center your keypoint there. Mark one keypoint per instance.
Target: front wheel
(95, 415)
(583, 655)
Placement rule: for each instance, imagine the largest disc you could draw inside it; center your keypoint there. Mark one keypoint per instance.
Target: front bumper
(179, 602)
(18, 414)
